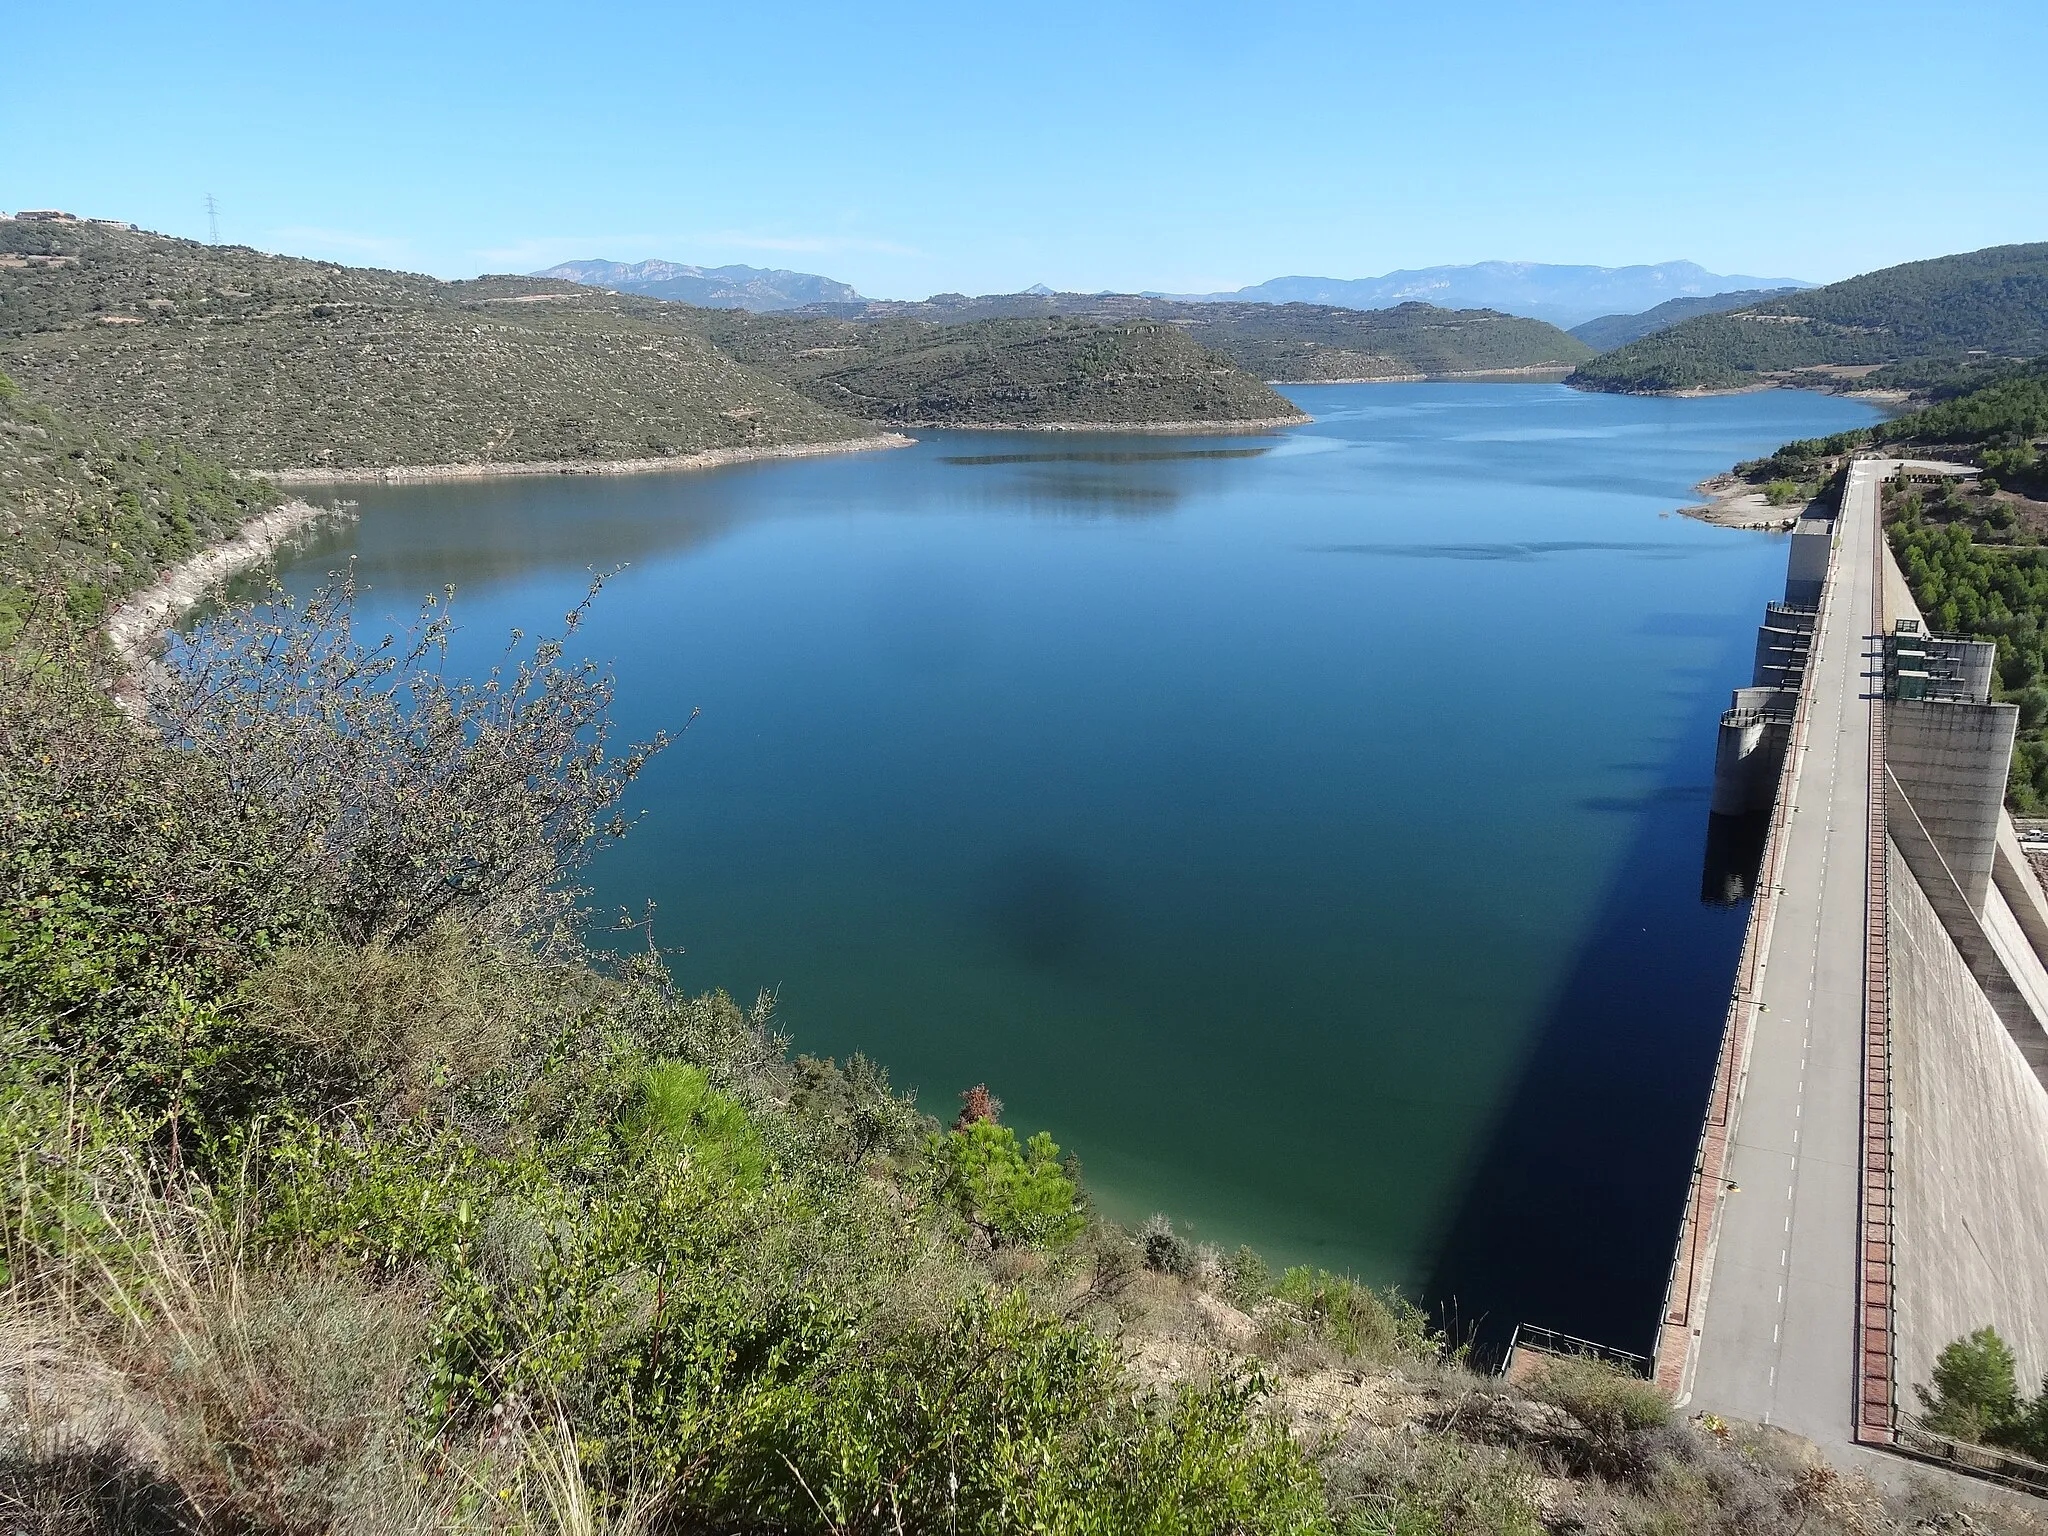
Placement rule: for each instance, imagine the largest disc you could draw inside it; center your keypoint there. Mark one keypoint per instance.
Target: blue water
(1305, 828)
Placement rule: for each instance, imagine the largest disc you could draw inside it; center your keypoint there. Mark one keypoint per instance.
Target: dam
(1872, 1174)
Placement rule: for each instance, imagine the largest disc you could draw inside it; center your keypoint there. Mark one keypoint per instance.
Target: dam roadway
(1774, 1325)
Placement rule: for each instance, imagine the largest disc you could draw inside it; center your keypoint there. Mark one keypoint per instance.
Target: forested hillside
(96, 515)
(1995, 300)
(273, 362)
(1611, 331)
(1022, 372)
(1288, 343)
(276, 363)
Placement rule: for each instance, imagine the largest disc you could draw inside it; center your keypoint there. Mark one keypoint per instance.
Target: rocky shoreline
(135, 627)
(1245, 424)
(709, 458)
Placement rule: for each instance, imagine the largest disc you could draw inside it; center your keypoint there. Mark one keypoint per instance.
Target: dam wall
(1970, 1158)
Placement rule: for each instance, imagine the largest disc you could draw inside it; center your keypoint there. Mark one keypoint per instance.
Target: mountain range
(1564, 295)
(757, 288)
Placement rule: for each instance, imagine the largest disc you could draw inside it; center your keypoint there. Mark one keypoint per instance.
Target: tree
(1976, 1394)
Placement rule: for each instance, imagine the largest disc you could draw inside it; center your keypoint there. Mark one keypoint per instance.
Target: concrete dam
(1872, 1175)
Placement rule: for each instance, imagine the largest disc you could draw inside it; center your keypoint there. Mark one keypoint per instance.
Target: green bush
(680, 1113)
(1357, 1320)
(1007, 1193)
(1603, 1397)
(1975, 1394)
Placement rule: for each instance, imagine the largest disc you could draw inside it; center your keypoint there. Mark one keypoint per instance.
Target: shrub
(1618, 1409)
(681, 1113)
(1976, 1393)
(415, 798)
(1006, 1193)
(1166, 1251)
(1246, 1279)
(1357, 1320)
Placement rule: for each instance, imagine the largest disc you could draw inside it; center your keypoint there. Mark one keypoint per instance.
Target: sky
(912, 149)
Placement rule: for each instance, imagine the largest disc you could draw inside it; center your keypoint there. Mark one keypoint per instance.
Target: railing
(1985, 1461)
(1548, 1341)
(1876, 1392)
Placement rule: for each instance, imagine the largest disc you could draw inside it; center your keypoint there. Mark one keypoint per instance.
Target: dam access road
(1776, 1337)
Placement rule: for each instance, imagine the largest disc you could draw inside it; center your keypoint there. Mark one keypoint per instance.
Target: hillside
(1611, 331)
(1288, 343)
(1023, 372)
(1994, 299)
(732, 287)
(273, 362)
(98, 515)
(1563, 295)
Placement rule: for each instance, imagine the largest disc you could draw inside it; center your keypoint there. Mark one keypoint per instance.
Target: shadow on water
(1735, 852)
(1572, 1208)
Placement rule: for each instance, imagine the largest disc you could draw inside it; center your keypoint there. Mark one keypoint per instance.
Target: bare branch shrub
(416, 797)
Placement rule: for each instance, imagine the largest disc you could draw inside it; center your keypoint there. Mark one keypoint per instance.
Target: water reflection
(1735, 851)
(1104, 456)
(1530, 551)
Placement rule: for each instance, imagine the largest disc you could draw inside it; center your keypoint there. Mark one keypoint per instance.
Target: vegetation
(1611, 331)
(1994, 299)
(1002, 371)
(96, 514)
(1300, 343)
(276, 363)
(1976, 1396)
(343, 1190)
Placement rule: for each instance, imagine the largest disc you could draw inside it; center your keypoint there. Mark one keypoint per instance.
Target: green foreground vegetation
(1993, 300)
(343, 1189)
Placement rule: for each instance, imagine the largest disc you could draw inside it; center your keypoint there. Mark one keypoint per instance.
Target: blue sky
(911, 149)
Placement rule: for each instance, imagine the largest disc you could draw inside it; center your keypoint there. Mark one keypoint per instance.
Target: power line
(212, 220)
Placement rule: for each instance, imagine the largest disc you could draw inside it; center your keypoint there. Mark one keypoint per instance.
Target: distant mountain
(1565, 296)
(756, 288)
(1611, 331)
(1994, 300)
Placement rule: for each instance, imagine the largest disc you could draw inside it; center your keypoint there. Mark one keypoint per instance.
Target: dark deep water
(1306, 828)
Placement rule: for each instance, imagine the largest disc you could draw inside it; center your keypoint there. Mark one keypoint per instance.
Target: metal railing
(1876, 1374)
(1548, 1341)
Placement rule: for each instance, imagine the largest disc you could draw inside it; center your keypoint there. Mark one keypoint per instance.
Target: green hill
(273, 362)
(1611, 331)
(97, 515)
(1026, 372)
(1288, 343)
(1995, 300)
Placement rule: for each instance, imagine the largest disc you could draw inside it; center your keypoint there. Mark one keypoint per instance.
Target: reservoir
(1305, 828)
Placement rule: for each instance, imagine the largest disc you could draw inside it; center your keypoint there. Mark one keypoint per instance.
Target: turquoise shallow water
(1305, 828)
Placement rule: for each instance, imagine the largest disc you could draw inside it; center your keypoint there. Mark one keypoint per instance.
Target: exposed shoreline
(135, 626)
(1178, 428)
(1735, 503)
(1528, 370)
(709, 458)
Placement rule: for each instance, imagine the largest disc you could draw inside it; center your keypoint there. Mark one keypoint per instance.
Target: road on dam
(1778, 1341)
